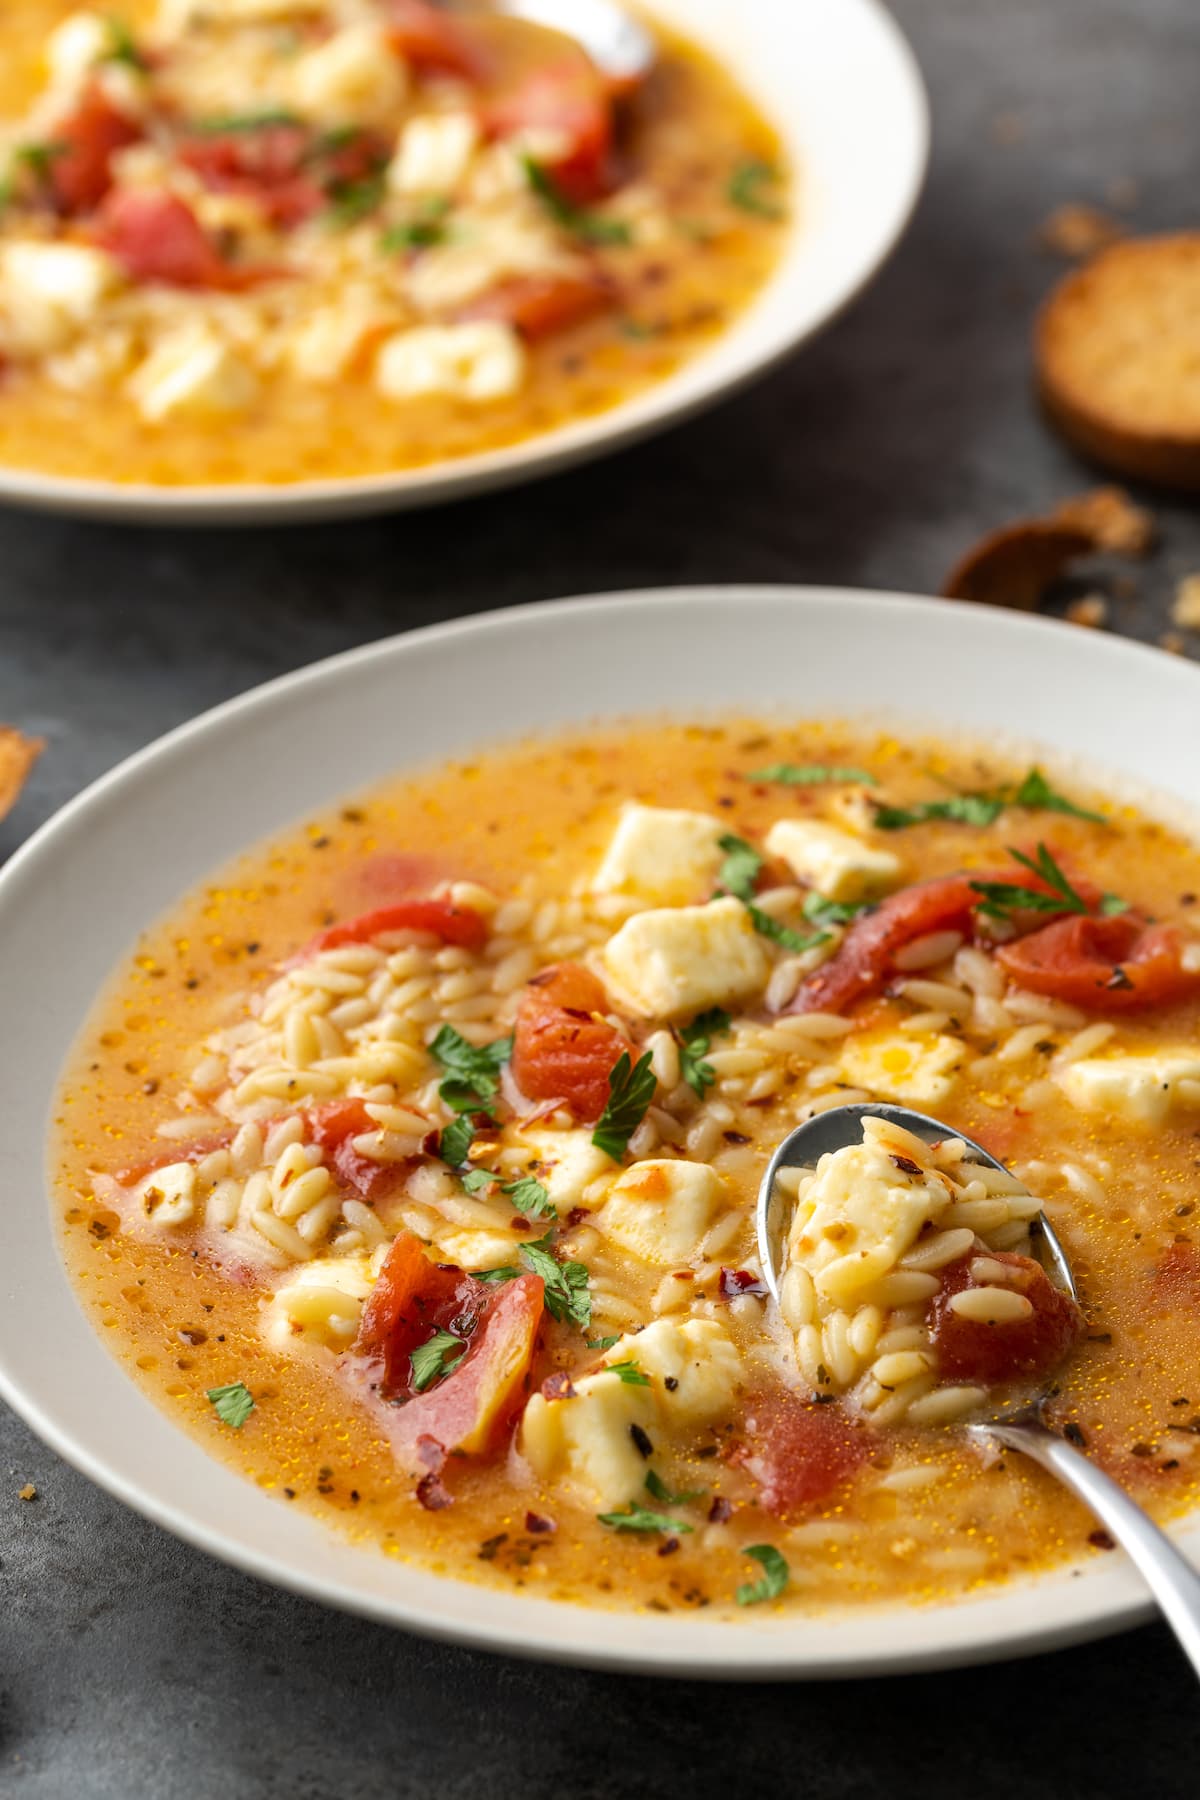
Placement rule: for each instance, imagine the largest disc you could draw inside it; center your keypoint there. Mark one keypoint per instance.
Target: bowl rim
(735, 359)
(992, 1628)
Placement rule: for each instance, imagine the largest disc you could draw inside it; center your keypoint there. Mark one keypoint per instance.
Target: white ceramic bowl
(69, 910)
(839, 83)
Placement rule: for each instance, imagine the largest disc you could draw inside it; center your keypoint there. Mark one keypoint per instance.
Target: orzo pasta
(412, 1163)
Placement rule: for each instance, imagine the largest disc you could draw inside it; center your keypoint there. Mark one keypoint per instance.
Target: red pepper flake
(641, 1441)
(539, 1524)
(432, 1495)
(489, 1546)
(670, 1382)
(720, 1510)
(906, 1165)
(1142, 1450)
(669, 1548)
(735, 1282)
(577, 1215)
(558, 1387)
(1100, 1540)
(430, 1454)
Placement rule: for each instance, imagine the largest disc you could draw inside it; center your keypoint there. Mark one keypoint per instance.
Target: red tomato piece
(412, 1299)
(159, 238)
(470, 1409)
(430, 38)
(1119, 964)
(561, 1050)
(460, 925)
(282, 167)
(799, 1452)
(335, 1126)
(80, 172)
(570, 101)
(867, 953)
(539, 305)
(193, 1153)
(973, 1350)
(1177, 1277)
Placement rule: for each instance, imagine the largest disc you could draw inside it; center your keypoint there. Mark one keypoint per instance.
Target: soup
(256, 241)
(411, 1164)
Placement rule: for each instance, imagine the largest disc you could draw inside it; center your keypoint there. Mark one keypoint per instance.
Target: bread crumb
(1173, 643)
(17, 756)
(1078, 231)
(28, 1492)
(1089, 609)
(1111, 519)
(1185, 609)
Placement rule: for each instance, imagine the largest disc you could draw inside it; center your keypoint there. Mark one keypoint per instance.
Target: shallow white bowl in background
(69, 911)
(839, 83)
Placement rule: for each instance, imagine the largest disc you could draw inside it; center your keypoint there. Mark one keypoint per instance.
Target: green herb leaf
(630, 1091)
(639, 1518)
(472, 1073)
(350, 201)
(1035, 791)
(628, 1372)
(960, 809)
(750, 188)
(417, 234)
(656, 1486)
(440, 1356)
(592, 227)
(233, 1403)
(220, 123)
(811, 774)
(567, 1296)
(833, 912)
(694, 1043)
(604, 1343)
(775, 1576)
(740, 870)
(1112, 904)
(477, 1179)
(455, 1141)
(507, 1272)
(529, 1196)
(123, 46)
(1000, 899)
(783, 935)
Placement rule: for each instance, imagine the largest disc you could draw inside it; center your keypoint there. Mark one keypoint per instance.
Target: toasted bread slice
(1117, 348)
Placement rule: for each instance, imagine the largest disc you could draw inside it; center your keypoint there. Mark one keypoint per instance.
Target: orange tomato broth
(686, 130)
(549, 806)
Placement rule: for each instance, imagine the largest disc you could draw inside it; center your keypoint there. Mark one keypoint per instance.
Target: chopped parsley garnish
(1001, 899)
(1035, 792)
(33, 159)
(783, 935)
(811, 774)
(604, 1343)
(440, 1356)
(123, 46)
(456, 1141)
(475, 1180)
(741, 868)
(567, 1296)
(751, 188)
(639, 1518)
(248, 121)
(628, 1372)
(694, 1042)
(350, 201)
(507, 1272)
(472, 1072)
(592, 228)
(984, 808)
(529, 1196)
(775, 1576)
(419, 233)
(833, 912)
(656, 1486)
(233, 1404)
(630, 1090)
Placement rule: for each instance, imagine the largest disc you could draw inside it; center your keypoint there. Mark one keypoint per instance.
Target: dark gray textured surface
(131, 1666)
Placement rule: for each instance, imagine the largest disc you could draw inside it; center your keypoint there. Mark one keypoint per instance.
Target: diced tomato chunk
(80, 171)
(282, 167)
(798, 1451)
(1008, 1349)
(459, 925)
(561, 1049)
(159, 238)
(1177, 1277)
(430, 38)
(334, 1126)
(1118, 964)
(412, 1299)
(867, 953)
(539, 305)
(570, 102)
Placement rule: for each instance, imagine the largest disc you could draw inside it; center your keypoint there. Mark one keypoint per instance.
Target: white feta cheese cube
(1143, 1089)
(839, 866)
(915, 1067)
(49, 292)
(570, 1168)
(584, 1439)
(661, 854)
(320, 1303)
(75, 47)
(433, 154)
(661, 1209)
(353, 78)
(327, 340)
(192, 373)
(856, 1216)
(665, 964)
(477, 361)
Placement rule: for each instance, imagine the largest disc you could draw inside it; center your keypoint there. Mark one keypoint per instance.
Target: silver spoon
(618, 44)
(1169, 1576)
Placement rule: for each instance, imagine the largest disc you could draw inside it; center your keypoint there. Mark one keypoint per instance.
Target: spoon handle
(1168, 1574)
